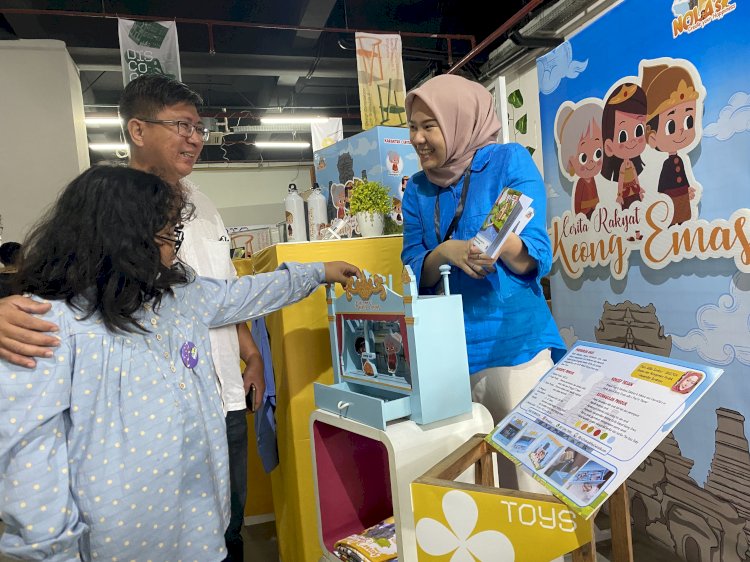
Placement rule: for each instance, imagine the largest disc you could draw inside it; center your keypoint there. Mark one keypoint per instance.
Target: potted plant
(370, 202)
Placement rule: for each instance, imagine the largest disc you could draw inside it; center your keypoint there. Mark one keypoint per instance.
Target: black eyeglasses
(184, 128)
(177, 237)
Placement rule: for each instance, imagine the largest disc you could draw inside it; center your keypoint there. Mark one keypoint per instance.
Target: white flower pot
(370, 224)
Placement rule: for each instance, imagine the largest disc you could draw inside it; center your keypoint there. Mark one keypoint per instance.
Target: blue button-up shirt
(506, 317)
(115, 448)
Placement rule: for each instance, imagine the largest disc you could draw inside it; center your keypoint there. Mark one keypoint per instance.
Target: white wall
(43, 143)
(247, 195)
(525, 78)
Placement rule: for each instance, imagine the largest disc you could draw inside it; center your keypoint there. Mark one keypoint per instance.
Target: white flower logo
(462, 513)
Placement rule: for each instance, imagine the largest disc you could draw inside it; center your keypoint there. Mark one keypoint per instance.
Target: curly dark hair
(96, 249)
(147, 95)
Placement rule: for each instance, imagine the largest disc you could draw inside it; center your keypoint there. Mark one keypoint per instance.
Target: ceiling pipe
(508, 25)
(531, 42)
(252, 25)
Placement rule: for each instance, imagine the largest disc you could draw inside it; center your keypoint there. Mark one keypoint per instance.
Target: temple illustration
(709, 523)
(699, 523)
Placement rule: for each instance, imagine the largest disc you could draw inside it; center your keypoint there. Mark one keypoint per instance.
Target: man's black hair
(147, 95)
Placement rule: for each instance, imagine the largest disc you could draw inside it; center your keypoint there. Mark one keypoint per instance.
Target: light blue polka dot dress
(115, 448)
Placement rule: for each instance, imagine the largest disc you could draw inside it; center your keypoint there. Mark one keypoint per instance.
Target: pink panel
(354, 483)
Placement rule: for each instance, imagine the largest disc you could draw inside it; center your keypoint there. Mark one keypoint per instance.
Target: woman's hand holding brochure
(509, 215)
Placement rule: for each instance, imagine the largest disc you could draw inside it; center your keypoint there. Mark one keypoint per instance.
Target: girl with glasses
(115, 446)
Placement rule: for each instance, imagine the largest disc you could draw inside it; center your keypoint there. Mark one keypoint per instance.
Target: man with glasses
(165, 134)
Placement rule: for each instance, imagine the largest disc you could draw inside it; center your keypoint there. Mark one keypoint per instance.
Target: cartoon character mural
(692, 495)
(578, 132)
(624, 131)
(644, 118)
(672, 115)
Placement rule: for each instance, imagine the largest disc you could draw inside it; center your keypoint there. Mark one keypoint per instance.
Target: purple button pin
(189, 354)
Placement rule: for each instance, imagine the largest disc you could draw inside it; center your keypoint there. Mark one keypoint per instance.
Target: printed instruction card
(596, 416)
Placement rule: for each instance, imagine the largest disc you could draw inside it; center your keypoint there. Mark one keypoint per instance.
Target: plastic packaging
(294, 207)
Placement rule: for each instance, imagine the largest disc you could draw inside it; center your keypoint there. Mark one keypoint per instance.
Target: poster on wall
(380, 75)
(645, 139)
(595, 416)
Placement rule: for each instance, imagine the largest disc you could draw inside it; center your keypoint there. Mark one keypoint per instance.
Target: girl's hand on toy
(340, 272)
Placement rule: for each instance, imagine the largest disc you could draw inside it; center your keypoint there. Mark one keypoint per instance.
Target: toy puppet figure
(393, 344)
(672, 100)
(579, 138)
(338, 197)
(624, 131)
(394, 162)
(359, 345)
(367, 367)
(396, 214)
(349, 186)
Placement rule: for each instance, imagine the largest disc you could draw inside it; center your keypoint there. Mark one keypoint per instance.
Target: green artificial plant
(372, 197)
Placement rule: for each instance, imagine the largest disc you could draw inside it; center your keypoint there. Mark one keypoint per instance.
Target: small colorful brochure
(595, 417)
(510, 213)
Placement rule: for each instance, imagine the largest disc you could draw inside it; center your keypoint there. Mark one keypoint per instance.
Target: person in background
(165, 135)
(510, 334)
(115, 447)
(10, 256)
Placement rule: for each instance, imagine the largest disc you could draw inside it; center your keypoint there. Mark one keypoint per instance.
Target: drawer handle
(343, 405)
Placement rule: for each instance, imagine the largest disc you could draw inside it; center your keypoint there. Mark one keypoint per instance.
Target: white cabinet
(362, 474)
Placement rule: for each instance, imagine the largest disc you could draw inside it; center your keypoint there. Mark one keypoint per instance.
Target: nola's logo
(691, 15)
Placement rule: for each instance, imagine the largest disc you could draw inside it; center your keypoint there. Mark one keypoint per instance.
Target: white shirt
(206, 249)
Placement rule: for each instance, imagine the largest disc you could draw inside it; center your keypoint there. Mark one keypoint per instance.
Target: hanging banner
(380, 73)
(148, 47)
(645, 143)
(326, 134)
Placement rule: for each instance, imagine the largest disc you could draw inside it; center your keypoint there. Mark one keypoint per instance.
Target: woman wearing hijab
(510, 334)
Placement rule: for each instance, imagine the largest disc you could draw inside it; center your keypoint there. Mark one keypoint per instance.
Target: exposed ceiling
(298, 56)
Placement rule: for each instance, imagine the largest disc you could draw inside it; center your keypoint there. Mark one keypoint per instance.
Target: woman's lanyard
(459, 208)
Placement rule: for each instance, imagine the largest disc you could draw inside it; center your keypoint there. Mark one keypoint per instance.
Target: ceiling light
(292, 120)
(279, 144)
(108, 146)
(110, 121)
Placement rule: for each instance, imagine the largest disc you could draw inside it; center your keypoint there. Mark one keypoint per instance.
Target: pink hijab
(466, 115)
